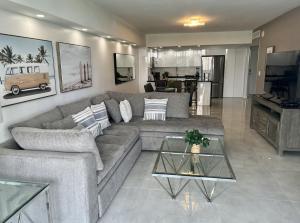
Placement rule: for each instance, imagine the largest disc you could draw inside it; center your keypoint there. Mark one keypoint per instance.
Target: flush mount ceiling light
(108, 37)
(40, 16)
(84, 29)
(194, 22)
(123, 41)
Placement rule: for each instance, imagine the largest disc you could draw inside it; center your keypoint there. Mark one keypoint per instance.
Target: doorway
(252, 73)
(213, 70)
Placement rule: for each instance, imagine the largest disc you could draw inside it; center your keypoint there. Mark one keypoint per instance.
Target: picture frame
(124, 68)
(74, 66)
(26, 69)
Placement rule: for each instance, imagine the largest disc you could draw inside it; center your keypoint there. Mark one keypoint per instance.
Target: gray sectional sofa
(79, 193)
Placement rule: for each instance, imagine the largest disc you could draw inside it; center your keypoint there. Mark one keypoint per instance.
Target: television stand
(279, 126)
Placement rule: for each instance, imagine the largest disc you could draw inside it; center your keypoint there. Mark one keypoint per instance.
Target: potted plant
(195, 139)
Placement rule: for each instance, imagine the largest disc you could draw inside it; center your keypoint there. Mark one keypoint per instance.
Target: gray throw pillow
(113, 109)
(70, 140)
(66, 123)
(99, 99)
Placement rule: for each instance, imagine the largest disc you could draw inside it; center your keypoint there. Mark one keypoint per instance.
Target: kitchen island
(202, 94)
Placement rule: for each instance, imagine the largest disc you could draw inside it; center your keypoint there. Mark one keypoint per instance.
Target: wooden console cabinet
(279, 126)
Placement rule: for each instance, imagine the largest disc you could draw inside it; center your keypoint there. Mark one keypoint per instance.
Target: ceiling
(163, 16)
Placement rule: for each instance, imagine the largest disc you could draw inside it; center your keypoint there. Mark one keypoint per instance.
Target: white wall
(85, 13)
(201, 38)
(102, 61)
(143, 68)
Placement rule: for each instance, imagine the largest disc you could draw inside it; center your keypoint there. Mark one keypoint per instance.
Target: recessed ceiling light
(194, 22)
(108, 37)
(84, 29)
(123, 41)
(133, 44)
(40, 16)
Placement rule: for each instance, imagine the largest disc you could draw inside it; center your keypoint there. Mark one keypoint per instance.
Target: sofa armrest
(72, 179)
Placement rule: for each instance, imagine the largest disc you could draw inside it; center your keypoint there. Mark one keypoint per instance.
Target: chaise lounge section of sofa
(78, 192)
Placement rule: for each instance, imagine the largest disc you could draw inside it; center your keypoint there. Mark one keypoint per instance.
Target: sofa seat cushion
(116, 142)
(205, 124)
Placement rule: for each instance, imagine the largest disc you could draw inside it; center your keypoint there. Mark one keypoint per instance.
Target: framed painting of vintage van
(26, 69)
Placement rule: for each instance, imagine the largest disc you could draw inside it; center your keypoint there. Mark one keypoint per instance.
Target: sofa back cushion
(118, 96)
(178, 103)
(37, 121)
(99, 99)
(74, 107)
(137, 103)
(65, 123)
(57, 140)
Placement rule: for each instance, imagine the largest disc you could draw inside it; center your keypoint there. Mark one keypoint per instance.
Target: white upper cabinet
(180, 58)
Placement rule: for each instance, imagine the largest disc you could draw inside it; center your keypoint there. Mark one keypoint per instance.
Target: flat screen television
(282, 80)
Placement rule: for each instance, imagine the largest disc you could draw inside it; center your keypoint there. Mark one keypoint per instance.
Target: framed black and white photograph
(26, 69)
(75, 66)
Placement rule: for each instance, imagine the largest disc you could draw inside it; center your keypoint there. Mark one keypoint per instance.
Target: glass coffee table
(176, 166)
(24, 202)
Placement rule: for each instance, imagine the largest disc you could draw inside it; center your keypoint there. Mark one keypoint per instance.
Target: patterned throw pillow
(86, 119)
(100, 114)
(126, 111)
(155, 109)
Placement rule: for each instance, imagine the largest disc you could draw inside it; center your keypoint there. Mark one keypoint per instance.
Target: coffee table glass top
(176, 160)
(15, 195)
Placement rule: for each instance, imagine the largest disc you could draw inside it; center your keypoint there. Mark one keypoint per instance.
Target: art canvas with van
(26, 69)
(75, 66)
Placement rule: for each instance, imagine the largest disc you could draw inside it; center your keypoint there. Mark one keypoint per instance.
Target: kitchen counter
(203, 91)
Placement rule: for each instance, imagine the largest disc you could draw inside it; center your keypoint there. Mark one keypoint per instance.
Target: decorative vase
(196, 149)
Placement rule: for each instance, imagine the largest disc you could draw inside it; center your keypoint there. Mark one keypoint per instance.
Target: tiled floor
(267, 188)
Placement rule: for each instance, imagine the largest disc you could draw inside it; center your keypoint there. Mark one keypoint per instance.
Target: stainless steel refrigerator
(213, 69)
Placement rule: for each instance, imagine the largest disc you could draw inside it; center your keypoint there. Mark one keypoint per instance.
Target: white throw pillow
(155, 109)
(126, 111)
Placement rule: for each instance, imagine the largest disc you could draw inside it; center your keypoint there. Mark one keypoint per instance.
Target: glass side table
(22, 202)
